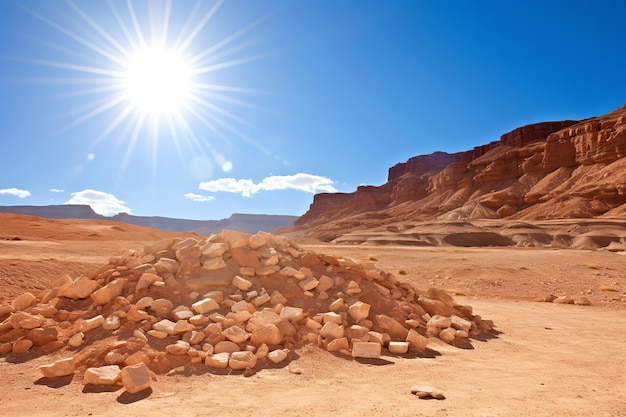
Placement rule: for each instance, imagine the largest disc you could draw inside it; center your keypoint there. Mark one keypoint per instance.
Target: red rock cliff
(543, 170)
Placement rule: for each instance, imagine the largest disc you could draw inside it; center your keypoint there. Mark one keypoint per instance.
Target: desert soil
(545, 360)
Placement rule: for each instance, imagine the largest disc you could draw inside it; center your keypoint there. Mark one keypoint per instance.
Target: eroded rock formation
(566, 169)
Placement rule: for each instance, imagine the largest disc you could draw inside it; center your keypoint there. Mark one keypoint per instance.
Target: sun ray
(98, 29)
(151, 77)
(185, 44)
(74, 36)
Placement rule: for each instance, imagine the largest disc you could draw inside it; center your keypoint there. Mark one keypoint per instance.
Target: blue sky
(201, 109)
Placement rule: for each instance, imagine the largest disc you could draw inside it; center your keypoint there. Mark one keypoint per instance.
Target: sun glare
(148, 70)
(157, 81)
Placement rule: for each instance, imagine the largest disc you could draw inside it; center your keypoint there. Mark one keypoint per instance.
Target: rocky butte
(553, 170)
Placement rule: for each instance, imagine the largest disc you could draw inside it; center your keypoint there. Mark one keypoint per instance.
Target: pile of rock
(233, 301)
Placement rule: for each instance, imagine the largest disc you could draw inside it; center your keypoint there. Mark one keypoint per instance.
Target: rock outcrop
(549, 170)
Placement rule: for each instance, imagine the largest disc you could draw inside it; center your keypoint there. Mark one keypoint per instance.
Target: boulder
(103, 375)
(62, 367)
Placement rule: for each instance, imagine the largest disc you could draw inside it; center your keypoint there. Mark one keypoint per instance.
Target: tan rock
(92, 323)
(241, 283)
(162, 307)
(448, 335)
(42, 335)
(332, 330)
(82, 287)
(336, 305)
(242, 360)
(104, 375)
(181, 312)
(460, 323)
(293, 314)
(353, 288)
(332, 317)
(218, 360)
(179, 348)
(113, 358)
(416, 340)
(269, 334)
(182, 326)
(398, 348)
(111, 323)
(77, 339)
(23, 301)
(309, 283)
(359, 311)
(205, 305)
(136, 378)
(236, 334)
(107, 293)
(147, 279)
(278, 355)
(424, 392)
(214, 264)
(369, 350)
(337, 345)
(226, 346)
(166, 326)
(22, 345)
(62, 367)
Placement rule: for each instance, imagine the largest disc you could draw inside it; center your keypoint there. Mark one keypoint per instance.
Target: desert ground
(544, 359)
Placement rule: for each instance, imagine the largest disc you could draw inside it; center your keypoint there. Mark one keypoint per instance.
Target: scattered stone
(242, 360)
(398, 348)
(62, 367)
(179, 348)
(76, 340)
(369, 350)
(277, 356)
(218, 360)
(23, 301)
(136, 378)
(424, 392)
(565, 299)
(22, 345)
(104, 375)
(92, 323)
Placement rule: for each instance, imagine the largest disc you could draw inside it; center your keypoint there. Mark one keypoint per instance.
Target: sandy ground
(546, 360)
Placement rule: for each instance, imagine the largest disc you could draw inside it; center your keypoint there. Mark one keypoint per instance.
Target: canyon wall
(563, 169)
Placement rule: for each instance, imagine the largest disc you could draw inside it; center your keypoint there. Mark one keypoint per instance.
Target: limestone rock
(107, 293)
(218, 360)
(82, 287)
(416, 340)
(369, 350)
(136, 378)
(103, 375)
(242, 360)
(424, 391)
(269, 334)
(92, 323)
(22, 345)
(277, 356)
(398, 348)
(236, 334)
(62, 367)
(359, 311)
(23, 301)
(179, 348)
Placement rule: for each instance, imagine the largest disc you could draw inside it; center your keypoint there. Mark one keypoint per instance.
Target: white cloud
(15, 192)
(302, 182)
(198, 197)
(102, 203)
(56, 190)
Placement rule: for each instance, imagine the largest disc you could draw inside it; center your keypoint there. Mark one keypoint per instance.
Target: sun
(157, 81)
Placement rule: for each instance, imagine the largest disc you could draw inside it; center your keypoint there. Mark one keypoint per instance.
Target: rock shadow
(128, 398)
(376, 362)
(57, 382)
(96, 389)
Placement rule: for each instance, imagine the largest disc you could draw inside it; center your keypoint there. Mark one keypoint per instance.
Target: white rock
(398, 348)
(332, 317)
(278, 355)
(104, 375)
(217, 360)
(111, 323)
